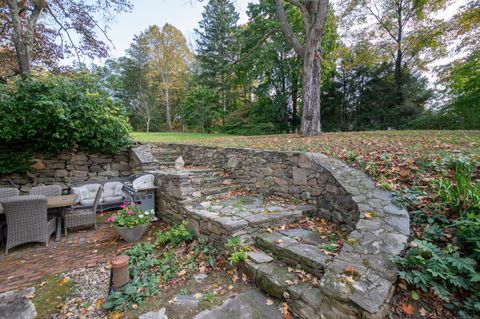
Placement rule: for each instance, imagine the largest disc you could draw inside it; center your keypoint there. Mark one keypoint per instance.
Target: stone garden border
(360, 280)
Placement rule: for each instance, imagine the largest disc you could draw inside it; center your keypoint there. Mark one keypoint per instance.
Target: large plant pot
(132, 235)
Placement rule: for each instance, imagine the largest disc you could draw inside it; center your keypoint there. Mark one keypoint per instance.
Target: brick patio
(86, 247)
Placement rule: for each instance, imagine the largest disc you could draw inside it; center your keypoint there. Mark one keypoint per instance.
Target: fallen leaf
(407, 309)
(415, 295)
(198, 295)
(269, 302)
(285, 311)
(423, 312)
(99, 303)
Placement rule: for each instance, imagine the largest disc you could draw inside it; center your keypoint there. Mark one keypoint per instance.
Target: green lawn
(164, 137)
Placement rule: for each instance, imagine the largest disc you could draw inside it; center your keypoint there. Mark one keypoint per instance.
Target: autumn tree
(170, 63)
(216, 48)
(36, 28)
(406, 30)
(133, 72)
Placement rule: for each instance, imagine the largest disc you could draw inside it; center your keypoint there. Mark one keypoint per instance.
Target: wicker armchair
(50, 190)
(81, 217)
(5, 193)
(27, 220)
(8, 192)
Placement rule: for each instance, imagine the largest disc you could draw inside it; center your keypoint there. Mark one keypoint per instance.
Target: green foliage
(15, 162)
(453, 270)
(201, 108)
(143, 282)
(54, 113)
(444, 271)
(175, 235)
(238, 252)
(463, 194)
(465, 88)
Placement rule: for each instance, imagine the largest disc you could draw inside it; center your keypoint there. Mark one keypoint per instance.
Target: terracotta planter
(132, 235)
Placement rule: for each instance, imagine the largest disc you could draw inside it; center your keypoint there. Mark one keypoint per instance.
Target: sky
(183, 14)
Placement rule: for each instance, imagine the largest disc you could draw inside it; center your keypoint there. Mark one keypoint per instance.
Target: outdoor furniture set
(35, 217)
(26, 218)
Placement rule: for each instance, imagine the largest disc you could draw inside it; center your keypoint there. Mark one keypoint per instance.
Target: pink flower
(110, 219)
(131, 212)
(122, 206)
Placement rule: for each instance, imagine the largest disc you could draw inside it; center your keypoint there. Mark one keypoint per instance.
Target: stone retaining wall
(359, 282)
(68, 168)
(286, 174)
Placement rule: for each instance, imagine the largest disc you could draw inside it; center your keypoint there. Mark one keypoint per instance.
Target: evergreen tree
(216, 47)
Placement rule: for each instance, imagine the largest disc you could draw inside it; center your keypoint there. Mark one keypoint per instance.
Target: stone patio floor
(85, 247)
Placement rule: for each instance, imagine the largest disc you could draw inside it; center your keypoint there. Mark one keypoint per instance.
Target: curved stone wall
(359, 282)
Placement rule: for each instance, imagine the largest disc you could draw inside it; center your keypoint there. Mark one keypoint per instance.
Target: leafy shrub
(467, 232)
(50, 113)
(175, 235)
(15, 162)
(444, 271)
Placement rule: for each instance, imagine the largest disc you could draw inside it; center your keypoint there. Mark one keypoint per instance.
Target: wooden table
(61, 202)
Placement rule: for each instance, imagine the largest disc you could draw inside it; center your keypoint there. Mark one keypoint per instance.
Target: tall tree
(75, 22)
(216, 49)
(314, 15)
(171, 59)
(407, 30)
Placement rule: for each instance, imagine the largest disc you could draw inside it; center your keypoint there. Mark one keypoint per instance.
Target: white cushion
(86, 193)
(87, 202)
(112, 189)
(112, 199)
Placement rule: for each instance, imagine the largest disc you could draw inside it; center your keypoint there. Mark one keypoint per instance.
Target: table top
(61, 201)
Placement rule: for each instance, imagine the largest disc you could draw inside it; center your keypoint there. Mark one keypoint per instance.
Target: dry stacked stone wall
(359, 281)
(68, 168)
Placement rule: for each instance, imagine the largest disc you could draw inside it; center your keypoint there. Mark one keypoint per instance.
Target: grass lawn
(165, 137)
(395, 159)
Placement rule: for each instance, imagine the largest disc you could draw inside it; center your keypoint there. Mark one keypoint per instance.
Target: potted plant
(131, 222)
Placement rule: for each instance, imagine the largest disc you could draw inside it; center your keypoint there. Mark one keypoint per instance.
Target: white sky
(183, 14)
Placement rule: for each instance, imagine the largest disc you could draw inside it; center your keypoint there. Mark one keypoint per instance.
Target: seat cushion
(86, 193)
(112, 189)
(87, 202)
(111, 199)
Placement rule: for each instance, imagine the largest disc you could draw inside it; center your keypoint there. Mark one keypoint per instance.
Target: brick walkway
(28, 263)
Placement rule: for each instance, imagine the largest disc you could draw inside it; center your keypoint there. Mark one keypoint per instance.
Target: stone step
(219, 190)
(166, 163)
(162, 152)
(202, 172)
(171, 158)
(274, 278)
(296, 247)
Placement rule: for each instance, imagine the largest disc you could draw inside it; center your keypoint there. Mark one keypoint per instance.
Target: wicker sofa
(112, 196)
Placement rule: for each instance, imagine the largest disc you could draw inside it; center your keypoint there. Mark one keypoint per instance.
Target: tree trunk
(398, 57)
(312, 64)
(314, 14)
(167, 110)
(166, 92)
(224, 99)
(22, 35)
(147, 124)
